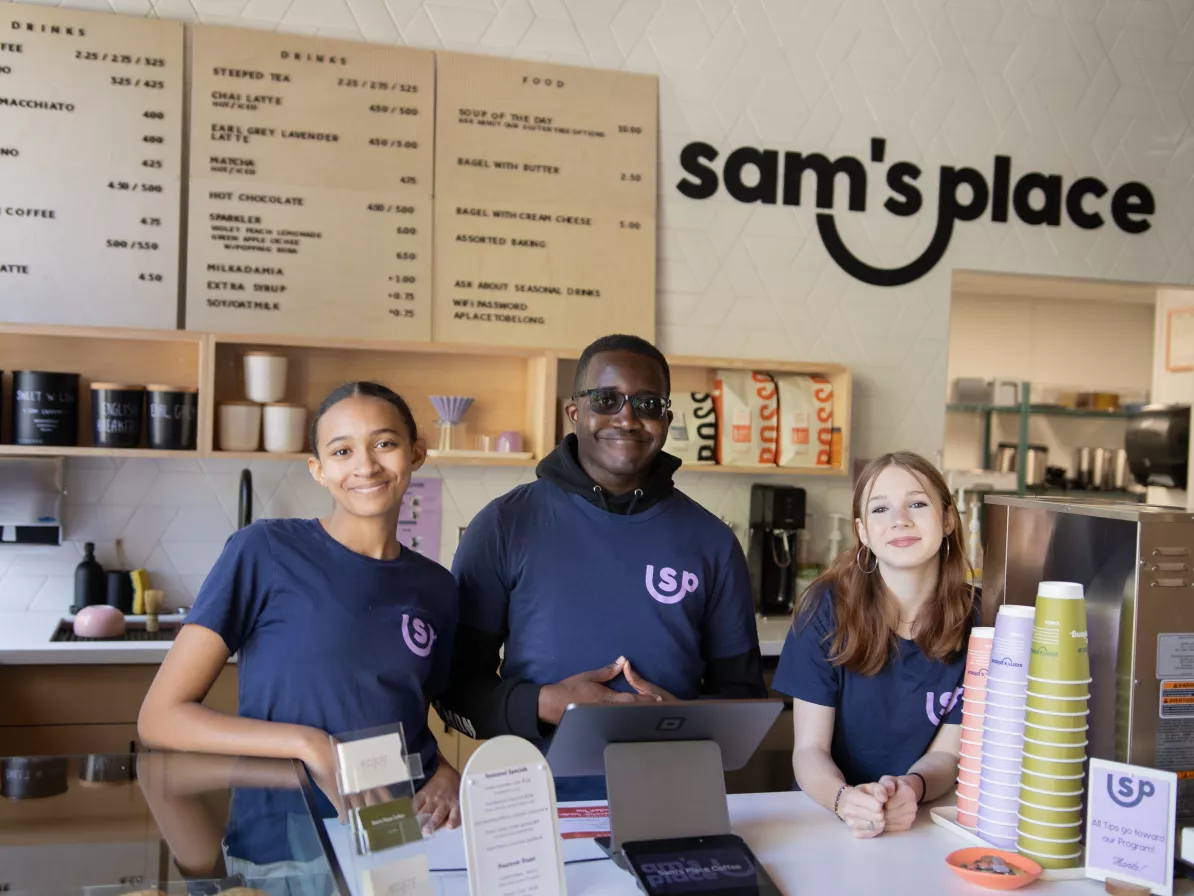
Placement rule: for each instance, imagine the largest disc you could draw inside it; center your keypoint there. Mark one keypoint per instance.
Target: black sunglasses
(608, 402)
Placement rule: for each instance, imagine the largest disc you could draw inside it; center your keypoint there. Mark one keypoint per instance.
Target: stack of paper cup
(1003, 727)
(974, 704)
(1055, 739)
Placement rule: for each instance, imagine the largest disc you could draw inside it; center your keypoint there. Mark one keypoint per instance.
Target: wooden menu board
(90, 163)
(310, 186)
(545, 202)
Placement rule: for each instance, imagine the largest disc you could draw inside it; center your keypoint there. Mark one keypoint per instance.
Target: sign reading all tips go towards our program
(1131, 817)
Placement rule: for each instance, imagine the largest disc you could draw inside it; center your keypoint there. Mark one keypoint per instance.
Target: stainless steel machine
(1136, 563)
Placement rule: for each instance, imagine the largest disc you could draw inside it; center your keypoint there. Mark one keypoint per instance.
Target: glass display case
(164, 823)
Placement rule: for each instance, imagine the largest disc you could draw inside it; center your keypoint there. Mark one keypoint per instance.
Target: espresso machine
(776, 515)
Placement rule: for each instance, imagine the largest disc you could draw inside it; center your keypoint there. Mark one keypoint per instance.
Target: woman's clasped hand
(886, 806)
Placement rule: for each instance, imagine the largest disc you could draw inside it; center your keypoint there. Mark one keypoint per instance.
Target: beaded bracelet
(838, 799)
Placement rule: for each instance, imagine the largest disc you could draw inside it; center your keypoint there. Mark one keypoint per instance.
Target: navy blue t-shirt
(330, 638)
(570, 587)
(885, 722)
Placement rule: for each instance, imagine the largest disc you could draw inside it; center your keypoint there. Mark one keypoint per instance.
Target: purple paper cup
(1005, 756)
(997, 725)
(1000, 774)
(1009, 794)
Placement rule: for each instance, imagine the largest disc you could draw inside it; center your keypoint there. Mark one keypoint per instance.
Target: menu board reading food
(90, 163)
(544, 202)
(310, 186)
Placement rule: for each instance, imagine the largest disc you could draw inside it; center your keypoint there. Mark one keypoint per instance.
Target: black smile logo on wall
(771, 177)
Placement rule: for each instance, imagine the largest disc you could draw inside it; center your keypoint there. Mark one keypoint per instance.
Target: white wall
(1054, 344)
(1089, 88)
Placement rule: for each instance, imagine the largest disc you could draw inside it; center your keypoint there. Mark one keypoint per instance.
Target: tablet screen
(708, 865)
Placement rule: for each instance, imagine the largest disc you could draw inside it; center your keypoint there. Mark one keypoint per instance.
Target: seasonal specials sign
(750, 174)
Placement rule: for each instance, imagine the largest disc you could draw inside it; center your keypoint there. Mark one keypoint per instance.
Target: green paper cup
(1062, 801)
(1052, 720)
(1044, 815)
(1052, 688)
(1042, 703)
(1060, 648)
(1076, 737)
(1053, 863)
(1054, 768)
(1055, 752)
(1072, 784)
(1030, 828)
(1058, 847)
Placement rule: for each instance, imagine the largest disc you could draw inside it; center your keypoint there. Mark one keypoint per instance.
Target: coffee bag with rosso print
(747, 404)
(807, 436)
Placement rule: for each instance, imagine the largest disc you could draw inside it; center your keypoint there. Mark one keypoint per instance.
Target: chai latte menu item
(90, 162)
(545, 202)
(310, 186)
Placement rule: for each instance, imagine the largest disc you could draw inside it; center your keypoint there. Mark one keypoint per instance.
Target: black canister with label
(173, 417)
(45, 408)
(116, 414)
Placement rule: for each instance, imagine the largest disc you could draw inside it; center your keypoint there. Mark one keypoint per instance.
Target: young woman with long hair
(335, 625)
(875, 658)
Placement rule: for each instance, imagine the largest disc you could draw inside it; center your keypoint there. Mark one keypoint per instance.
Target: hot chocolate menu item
(310, 186)
(90, 162)
(545, 202)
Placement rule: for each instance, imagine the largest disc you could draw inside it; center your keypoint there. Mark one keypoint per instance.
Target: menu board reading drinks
(545, 202)
(310, 186)
(90, 162)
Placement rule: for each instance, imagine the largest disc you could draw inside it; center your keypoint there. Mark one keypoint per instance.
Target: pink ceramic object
(99, 621)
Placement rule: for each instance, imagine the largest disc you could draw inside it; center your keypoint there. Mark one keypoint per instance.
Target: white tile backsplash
(179, 529)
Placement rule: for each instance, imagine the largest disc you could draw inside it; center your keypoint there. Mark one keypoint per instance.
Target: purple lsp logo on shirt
(947, 701)
(669, 591)
(418, 635)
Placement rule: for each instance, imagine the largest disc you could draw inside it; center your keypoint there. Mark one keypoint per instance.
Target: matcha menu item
(310, 186)
(545, 202)
(90, 161)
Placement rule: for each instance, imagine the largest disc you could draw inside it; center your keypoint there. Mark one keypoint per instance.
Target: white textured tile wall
(177, 518)
(1075, 87)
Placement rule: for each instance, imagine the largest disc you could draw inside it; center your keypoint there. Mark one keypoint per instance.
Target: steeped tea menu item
(90, 162)
(545, 202)
(310, 186)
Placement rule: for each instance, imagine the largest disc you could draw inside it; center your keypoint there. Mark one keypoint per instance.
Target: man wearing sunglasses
(603, 583)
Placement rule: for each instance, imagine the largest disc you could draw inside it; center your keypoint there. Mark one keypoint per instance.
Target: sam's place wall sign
(769, 176)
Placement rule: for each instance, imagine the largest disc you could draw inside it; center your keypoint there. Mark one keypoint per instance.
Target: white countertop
(25, 641)
(804, 848)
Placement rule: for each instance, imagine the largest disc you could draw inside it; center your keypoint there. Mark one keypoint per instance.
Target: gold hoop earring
(858, 561)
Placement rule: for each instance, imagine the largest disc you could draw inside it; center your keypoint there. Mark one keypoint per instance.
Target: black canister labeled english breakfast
(117, 413)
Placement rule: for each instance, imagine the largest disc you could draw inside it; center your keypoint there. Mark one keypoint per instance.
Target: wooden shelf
(509, 385)
(759, 471)
(51, 451)
(515, 388)
(99, 354)
(495, 461)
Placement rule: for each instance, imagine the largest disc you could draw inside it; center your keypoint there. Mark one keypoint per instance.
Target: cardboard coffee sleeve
(747, 406)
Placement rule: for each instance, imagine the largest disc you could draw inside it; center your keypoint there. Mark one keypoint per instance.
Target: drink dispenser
(776, 516)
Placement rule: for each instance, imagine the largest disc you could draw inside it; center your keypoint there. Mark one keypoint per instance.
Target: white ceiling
(978, 283)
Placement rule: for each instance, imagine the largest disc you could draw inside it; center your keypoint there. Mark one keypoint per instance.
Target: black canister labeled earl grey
(116, 414)
(173, 417)
(45, 408)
